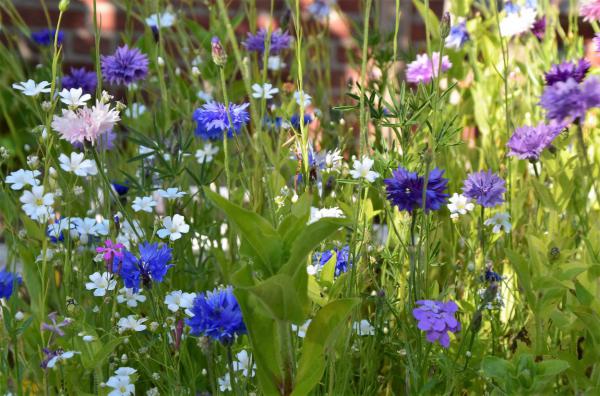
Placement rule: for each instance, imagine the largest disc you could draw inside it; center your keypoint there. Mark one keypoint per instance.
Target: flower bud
(218, 53)
(63, 5)
(445, 25)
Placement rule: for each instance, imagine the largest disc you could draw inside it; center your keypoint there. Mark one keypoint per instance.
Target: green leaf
(496, 367)
(278, 297)
(551, 367)
(328, 271)
(321, 333)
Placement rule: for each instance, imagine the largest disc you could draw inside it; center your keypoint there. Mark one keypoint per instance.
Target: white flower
(243, 364)
(333, 160)
(152, 392)
(171, 193)
(143, 204)
(317, 214)
(121, 386)
(131, 323)
(362, 169)
(206, 153)
(101, 283)
(517, 22)
(178, 299)
(74, 97)
(60, 357)
(58, 226)
(225, 383)
(275, 63)
(84, 228)
(459, 205)
(312, 269)
(135, 110)
(265, 91)
(31, 88)
(302, 97)
(302, 329)
(130, 297)
(166, 19)
(36, 204)
(174, 227)
(499, 221)
(363, 328)
(21, 178)
(125, 371)
(78, 165)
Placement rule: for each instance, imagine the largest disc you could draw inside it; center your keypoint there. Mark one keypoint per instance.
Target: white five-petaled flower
(243, 364)
(333, 160)
(362, 170)
(499, 221)
(206, 153)
(178, 299)
(130, 297)
(131, 322)
(31, 88)
(85, 228)
(36, 204)
(21, 178)
(225, 383)
(162, 20)
(121, 385)
(171, 193)
(60, 357)
(100, 283)
(264, 91)
(174, 227)
(364, 328)
(74, 97)
(317, 214)
(78, 164)
(301, 97)
(459, 205)
(143, 204)
(275, 63)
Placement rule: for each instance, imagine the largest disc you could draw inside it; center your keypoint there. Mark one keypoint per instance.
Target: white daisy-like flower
(363, 328)
(171, 193)
(121, 386)
(206, 153)
(127, 295)
(162, 20)
(62, 356)
(31, 88)
(144, 204)
(84, 228)
(333, 160)
(317, 214)
(225, 383)
(275, 63)
(264, 91)
(36, 204)
(74, 97)
(78, 164)
(301, 96)
(100, 283)
(131, 322)
(518, 22)
(174, 227)
(362, 170)
(500, 221)
(459, 205)
(242, 364)
(21, 178)
(179, 300)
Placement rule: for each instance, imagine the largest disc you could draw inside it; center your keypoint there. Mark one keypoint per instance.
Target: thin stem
(363, 81)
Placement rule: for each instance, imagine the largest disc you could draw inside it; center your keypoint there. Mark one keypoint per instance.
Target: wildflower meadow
(202, 210)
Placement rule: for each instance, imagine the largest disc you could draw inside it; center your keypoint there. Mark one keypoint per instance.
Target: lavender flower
(528, 142)
(46, 37)
(320, 9)
(212, 120)
(56, 327)
(8, 281)
(217, 315)
(152, 265)
(590, 10)
(458, 36)
(569, 100)
(423, 69)
(405, 190)
(279, 41)
(125, 66)
(486, 188)
(566, 70)
(539, 28)
(81, 78)
(597, 42)
(436, 318)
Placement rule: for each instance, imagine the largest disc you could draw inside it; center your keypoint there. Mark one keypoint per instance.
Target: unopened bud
(63, 5)
(218, 53)
(445, 25)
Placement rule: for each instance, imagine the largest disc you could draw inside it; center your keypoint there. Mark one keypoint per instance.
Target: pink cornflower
(85, 123)
(590, 10)
(110, 250)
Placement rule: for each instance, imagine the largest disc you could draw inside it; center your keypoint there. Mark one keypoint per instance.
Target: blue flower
(295, 120)
(279, 41)
(212, 120)
(8, 281)
(81, 78)
(405, 190)
(342, 262)
(486, 188)
(121, 189)
(563, 71)
(125, 66)
(458, 36)
(152, 266)
(570, 100)
(217, 315)
(46, 37)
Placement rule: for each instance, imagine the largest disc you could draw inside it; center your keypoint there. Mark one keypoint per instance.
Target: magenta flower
(110, 250)
(423, 69)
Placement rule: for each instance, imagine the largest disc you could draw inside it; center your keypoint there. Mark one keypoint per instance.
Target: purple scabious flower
(486, 188)
(528, 142)
(152, 266)
(458, 36)
(342, 259)
(212, 120)
(436, 318)
(46, 37)
(279, 41)
(217, 315)
(423, 69)
(569, 100)
(125, 66)
(81, 78)
(539, 28)
(8, 281)
(564, 71)
(405, 190)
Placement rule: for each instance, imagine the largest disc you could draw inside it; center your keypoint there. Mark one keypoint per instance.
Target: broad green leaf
(496, 367)
(278, 297)
(328, 271)
(551, 367)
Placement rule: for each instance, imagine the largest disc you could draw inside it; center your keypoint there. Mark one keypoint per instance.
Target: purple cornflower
(597, 42)
(125, 66)
(436, 318)
(590, 10)
(569, 100)
(342, 262)
(81, 78)
(8, 281)
(405, 189)
(46, 37)
(110, 250)
(458, 36)
(152, 265)
(528, 142)
(217, 315)
(423, 69)
(279, 41)
(55, 327)
(486, 188)
(539, 28)
(564, 71)
(212, 120)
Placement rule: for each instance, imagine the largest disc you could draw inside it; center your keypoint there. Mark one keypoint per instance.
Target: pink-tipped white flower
(85, 123)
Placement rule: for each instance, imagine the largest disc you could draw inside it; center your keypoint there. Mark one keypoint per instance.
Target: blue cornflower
(486, 188)
(121, 189)
(342, 262)
(458, 36)
(295, 120)
(405, 190)
(279, 41)
(212, 120)
(491, 276)
(151, 266)
(217, 315)
(8, 281)
(125, 66)
(566, 70)
(528, 142)
(569, 100)
(273, 123)
(46, 37)
(81, 78)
